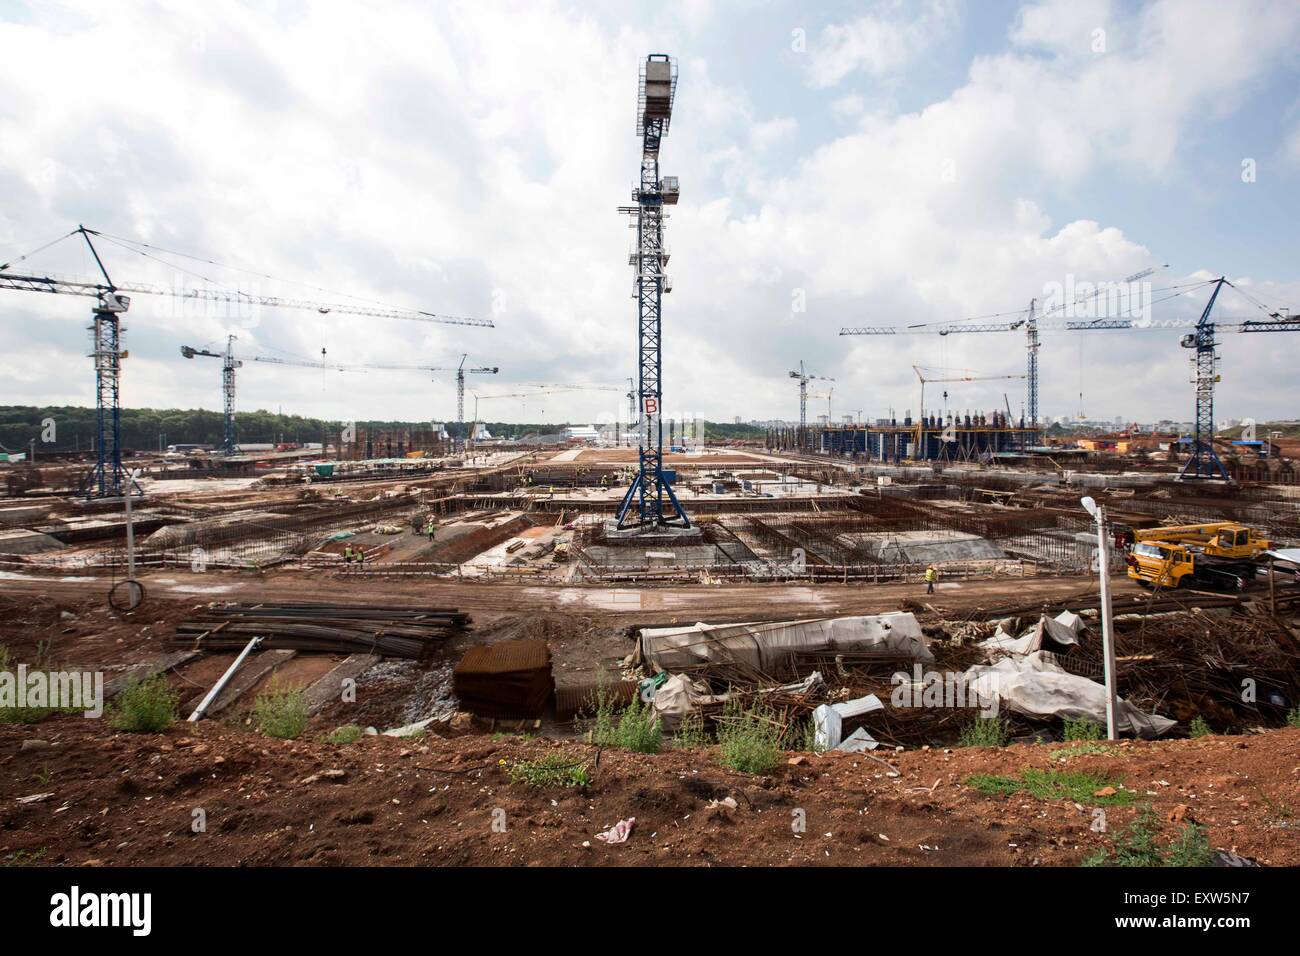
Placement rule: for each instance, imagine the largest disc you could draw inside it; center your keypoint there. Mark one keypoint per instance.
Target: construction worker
(430, 528)
(930, 575)
(347, 556)
(361, 557)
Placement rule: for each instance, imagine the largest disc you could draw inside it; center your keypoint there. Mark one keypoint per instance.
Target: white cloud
(1065, 27)
(457, 157)
(879, 43)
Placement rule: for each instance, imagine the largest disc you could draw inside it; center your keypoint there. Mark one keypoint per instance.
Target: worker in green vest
(347, 555)
(430, 528)
(361, 557)
(930, 575)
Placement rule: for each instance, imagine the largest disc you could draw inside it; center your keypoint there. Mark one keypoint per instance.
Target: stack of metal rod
(331, 628)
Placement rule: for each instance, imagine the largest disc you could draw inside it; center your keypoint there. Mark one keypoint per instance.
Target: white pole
(220, 685)
(130, 532)
(1107, 630)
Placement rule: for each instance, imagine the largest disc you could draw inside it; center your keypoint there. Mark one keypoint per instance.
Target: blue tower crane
(656, 504)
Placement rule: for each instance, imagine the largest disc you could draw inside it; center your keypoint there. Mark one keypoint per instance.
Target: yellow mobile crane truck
(1219, 555)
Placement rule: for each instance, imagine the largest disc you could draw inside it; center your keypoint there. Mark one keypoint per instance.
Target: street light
(1107, 631)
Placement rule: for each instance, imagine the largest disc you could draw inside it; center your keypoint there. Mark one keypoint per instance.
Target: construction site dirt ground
(130, 799)
(114, 798)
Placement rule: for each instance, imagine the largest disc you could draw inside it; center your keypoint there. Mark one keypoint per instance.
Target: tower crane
(921, 369)
(1204, 461)
(228, 365)
(804, 377)
(229, 362)
(107, 476)
(1030, 323)
(657, 505)
(460, 370)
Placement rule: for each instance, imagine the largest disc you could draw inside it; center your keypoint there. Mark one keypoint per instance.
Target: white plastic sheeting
(828, 719)
(1064, 630)
(1037, 686)
(769, 647)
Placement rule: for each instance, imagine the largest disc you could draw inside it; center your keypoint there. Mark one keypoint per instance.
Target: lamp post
(1107, 629)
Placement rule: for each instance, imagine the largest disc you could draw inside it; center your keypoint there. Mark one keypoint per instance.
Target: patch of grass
(690, 734)
(633, 727)
(24, 858)
(749, 739)
(347, 734)
(1190, 848)
(281, 712)
(1293, 717)
(145, 707)
(1198, 727)
(22, 715)
(1083, 749)
(1136, 845)
(1076, 785)
(1082, 729)
(415, 733)
(984, 732)
(549, 772)
(994, 786)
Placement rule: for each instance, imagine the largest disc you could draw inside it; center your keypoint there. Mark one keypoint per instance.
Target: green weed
(1076, 785)
(690, 734)
(553, 770)
(1136, 845)
(146, 706)
(1083, 729)
(984, 732)
(281, 712)
(347, 734)
(1084, 748)
(749, 739)
(633, 727)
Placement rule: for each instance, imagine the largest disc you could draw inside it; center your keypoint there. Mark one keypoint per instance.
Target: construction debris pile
(882, 678)
(331, 628)
(1235, 669)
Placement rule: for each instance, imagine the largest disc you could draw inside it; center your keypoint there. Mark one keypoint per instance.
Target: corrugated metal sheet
(576, 700)
(510, 679)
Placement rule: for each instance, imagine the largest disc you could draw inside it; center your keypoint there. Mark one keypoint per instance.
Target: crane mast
(1204, 461)
(657, 505)
(107, 475)
(804, 377)
(1031, 368)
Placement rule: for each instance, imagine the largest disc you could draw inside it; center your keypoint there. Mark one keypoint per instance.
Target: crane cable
(6, 265)
(130, 245)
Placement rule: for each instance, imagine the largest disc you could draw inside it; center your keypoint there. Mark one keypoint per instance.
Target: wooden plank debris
(330, 687)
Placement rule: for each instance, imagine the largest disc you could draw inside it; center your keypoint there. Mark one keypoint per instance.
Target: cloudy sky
(840, 164)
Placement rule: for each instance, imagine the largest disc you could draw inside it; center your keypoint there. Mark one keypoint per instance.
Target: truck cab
(1160, 564)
